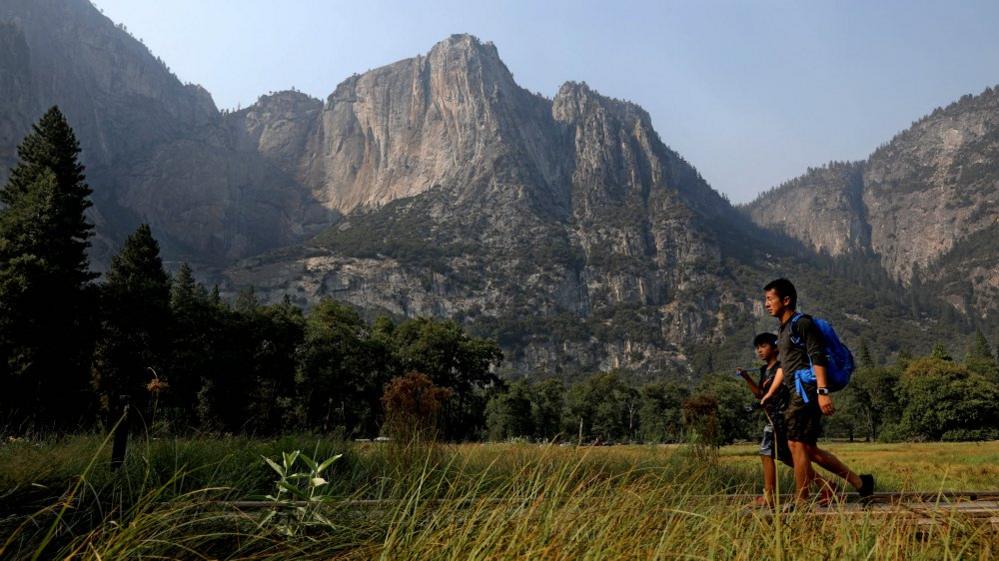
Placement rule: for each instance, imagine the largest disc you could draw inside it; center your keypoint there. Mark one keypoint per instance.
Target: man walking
(801, 346)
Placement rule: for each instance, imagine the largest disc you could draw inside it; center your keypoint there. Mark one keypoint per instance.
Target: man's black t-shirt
(793, 356)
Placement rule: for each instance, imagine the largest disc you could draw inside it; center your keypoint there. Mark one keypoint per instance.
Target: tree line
(933, 397)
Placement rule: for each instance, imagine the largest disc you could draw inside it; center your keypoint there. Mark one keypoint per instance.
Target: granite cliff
(928, 197)
(465, 195)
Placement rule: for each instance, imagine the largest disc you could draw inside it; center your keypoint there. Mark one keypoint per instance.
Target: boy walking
(801, 347)
(774, 444)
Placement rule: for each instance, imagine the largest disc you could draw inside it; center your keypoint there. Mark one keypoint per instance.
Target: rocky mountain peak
(575, 99)
(439, 120)
(463, 67)
(464, 45)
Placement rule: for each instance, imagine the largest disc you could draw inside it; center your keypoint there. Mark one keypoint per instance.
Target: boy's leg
(767, 445)
(769, 479)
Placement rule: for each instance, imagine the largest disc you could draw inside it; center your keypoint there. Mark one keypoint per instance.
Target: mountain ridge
(916, 198)
(564, 227)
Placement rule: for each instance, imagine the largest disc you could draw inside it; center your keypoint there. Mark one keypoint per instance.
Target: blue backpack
(839, 359)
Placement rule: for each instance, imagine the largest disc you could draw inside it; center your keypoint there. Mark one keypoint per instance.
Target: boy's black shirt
(775, 405)
(792, 356)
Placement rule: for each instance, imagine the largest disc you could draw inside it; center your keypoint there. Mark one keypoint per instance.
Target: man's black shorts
(803, 421)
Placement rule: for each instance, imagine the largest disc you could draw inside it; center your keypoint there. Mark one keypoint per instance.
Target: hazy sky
(751, 92)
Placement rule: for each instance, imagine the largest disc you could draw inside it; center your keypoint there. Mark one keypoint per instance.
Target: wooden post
(120, 435)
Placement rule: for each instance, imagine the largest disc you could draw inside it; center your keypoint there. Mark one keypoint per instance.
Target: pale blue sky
(750, 92)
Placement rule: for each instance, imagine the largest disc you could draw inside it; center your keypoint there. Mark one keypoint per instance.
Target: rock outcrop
(916, 199)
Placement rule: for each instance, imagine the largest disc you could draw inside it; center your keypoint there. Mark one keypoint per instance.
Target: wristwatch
(822, 391)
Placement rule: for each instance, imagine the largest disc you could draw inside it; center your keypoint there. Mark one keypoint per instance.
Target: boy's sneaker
(760, 502)
(794, 506)
(866, 485)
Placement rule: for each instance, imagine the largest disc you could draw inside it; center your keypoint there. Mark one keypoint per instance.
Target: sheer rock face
(15, 91)
(914, 200)
(631, 192)
(935, 184)
(452, 118)
(156, 150)
(466, 196)
(834, 194)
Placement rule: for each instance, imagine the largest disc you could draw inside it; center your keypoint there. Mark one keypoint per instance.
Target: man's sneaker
(866, 485)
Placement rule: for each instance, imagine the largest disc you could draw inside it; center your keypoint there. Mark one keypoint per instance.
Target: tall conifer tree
(45, 303)
(135, 306)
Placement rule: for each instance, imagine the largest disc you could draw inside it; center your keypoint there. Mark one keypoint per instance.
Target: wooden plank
(945, 498)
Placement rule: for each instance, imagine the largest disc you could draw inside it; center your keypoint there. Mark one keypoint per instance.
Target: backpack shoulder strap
(796, 339)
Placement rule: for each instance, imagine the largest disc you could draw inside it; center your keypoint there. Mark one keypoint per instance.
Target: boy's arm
(775, 385)
(749, 382)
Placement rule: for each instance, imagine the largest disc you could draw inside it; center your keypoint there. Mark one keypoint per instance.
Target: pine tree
(184, 291)
(864, 356)
(196, 329)
(980, 358)
(980, 348)
(52, 150)
(246, 301)
(940, 351)
(45, 290)
(135, 307)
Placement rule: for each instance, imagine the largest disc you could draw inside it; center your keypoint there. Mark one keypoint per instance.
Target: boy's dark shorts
(803, 421)
(774, 444)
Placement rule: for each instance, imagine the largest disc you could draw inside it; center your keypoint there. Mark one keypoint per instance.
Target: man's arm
(757, 392)
(825, 401)
(815, 347)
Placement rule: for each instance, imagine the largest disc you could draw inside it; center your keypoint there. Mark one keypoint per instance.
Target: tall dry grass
(479, 502)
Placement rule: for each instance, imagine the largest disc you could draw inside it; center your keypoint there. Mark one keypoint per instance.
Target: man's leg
(831, 463)
(798, 431)
(784, 455)
(803, 472)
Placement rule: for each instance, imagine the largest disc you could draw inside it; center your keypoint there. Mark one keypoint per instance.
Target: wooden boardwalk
(971, 503)
(919, 508)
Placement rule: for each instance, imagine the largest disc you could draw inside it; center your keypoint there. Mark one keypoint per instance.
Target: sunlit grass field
(925, 467)
(472, 501)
